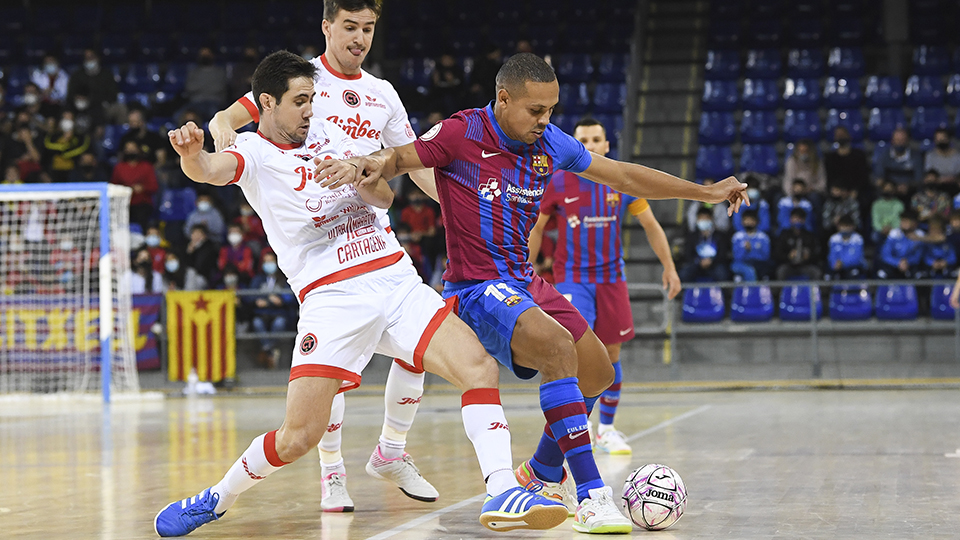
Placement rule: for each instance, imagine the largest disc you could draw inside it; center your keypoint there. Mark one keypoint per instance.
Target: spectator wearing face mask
(930, 201)
(706, 252)
(207, 215)
(797, 198)
(200, 259)
(206, 85)
(421, 219)
(144, 279)
(939, 257)
(944, 159)
(88, 170)
(885, 212)
(62, 148)
(92, 88)
(21, 148)
(148, 141)
(252, 227)
(797, 252)
(51, 79)
(840, 203)
(173, 273)
(806, 165)
(845, 258)
(272, 309)
(133, 171)
(899, 164)
(155, 245)
(751, 250)
(902, 252)
(761, 206)
(847, 167)
(721, 222)
(236, 254)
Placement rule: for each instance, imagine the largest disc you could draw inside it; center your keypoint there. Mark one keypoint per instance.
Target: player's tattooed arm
(648, 183)
(199, 165)
(224, 125)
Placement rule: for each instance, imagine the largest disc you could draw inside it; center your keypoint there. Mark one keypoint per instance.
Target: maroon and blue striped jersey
(589, 224)
(490, 188)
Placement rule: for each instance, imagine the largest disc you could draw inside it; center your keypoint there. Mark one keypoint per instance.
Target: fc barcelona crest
(613, 199)
(541, 164)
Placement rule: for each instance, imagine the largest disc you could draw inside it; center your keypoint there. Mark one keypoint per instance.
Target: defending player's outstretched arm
(648, 183)
(199, 165)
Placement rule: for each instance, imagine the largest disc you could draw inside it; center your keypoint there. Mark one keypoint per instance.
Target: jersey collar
(496, 126)
(337, 74)
(280, 145)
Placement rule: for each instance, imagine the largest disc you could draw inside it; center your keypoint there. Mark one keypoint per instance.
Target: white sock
(603, 428)
(487, 429)
(401, 400)
(335, 467)
(252, 467)
(330, 442)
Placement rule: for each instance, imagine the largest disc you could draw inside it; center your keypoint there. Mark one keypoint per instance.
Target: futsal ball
(654, 497)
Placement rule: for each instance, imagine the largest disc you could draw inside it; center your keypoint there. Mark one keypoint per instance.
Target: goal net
(65, 302)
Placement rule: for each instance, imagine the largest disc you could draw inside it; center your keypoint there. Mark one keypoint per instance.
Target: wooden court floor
(757, 464)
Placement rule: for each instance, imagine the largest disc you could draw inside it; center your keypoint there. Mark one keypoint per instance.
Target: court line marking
(668, 423)
(425, 518)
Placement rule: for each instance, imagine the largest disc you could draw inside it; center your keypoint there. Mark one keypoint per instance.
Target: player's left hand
(671, 283)
(334, 173)
(730, 190)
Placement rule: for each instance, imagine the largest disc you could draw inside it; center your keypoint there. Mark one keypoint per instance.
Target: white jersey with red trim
(367, 108)
(320, 235)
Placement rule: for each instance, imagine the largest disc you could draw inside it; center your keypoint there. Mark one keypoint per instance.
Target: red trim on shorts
(337, 74)
(412, 369)
(353, 271)
(431, 329)
(351, 379)
(240, 164)
(480, 396)
(251, 108)
(270, 449)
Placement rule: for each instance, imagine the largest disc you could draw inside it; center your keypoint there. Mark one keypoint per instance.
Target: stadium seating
(763, 63)
(847, 31)
(931, 60)
(573, 68)
(924, 91)
(884, 92)
(953, 91)
(807, 33)
(845, 62)
(841, 93)
(848, 118)
(751, 304)
(176, 204)
(801, 94)
(717, 127)
(612, 68)
(926, 120)
(613, 124)
(795, 303)
(703, 305)
(882, 122)
(714, 162)
(850, 304)
(897, 302)
(720, 96)
(574, 98)
(940, 308)
(725, 33)
(760, 158)
(801, 124)
(757, 127)
(766, 32)
(760, 94)
(722, 65)
(609, 97)
(804, 63)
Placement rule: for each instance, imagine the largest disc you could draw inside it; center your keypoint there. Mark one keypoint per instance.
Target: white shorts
(389, 311)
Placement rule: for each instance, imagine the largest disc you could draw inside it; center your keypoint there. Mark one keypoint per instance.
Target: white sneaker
(600, 515)
(557, 491)
(402, 472)
(334, 496)
(612, 442)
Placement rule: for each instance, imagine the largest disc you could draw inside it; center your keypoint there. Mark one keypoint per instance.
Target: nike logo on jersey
(575, 435)
(484, 154)
(625, 332)
(568, 200)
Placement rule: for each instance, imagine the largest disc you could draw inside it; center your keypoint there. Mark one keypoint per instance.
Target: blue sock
(566, 414)
(590, 402)
(611, 397)
(547, 461)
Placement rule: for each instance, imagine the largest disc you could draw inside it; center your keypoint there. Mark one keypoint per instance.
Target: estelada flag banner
(201, 333)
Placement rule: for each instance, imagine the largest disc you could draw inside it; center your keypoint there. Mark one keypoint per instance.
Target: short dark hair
(202, 227)
(749, 214)
(704, 211)
(943, 130)
(800, 181)
(332, 7)
(846, 221)
(589, 121)
(799, 212)
(273, 74)
(521, 68)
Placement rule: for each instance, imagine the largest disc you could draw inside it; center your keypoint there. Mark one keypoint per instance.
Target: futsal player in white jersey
(356, 295)
(369, 111)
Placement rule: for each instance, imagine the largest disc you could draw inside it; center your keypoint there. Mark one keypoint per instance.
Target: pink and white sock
(401, 400)
(257, 462)
(487, 429)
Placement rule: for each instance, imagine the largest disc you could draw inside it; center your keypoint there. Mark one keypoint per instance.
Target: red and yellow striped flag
(202, 334)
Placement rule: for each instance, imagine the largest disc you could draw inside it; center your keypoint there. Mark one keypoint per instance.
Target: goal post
(65, 303)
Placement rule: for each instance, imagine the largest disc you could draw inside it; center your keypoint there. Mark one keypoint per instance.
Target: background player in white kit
(356, 296)
(369, 110)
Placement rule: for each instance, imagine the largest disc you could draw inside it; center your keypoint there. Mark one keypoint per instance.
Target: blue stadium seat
(574, 98)
(613, 125)
(940, 308)
(803, 63)
(845, 62)
(883, 122)
(175, 79)
(931, 60)
(850, 303)
(848, 118)
(609, 97)
(703, 305)
(924, 91)
(720, 96)
(416, 72)
(751, 304)
(807, 8)
(766, 32)
(165, 16)
(759, 127)
(801, 94)
(115, 48)
(884, 91)
(760, 94)
(795, 303)
(176, 204)
(154, 46)
(714, 162)
(111, 138)
(725, 10)
(124, 18)
(926, 120)
(842, 93)
(847, 31)
(725, 34)
(722, 65)
(9, 48)
(763, 63)
(573, 68)
(141, 78)
(807, 33)
(74, 45)
(612, 68)
(565, 122)
(931, 30)
(897, 302)
(759, 158)
(801, 124)
(953, 90)
(35, 47)
(767, 8)
(717, 127)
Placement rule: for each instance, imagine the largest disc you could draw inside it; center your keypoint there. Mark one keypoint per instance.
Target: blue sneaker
(517, 508)
(183, 517)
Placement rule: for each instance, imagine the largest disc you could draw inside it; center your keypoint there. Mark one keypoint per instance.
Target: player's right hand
(223, 139)
(730, 190)
(187, 140)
